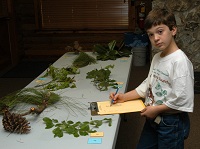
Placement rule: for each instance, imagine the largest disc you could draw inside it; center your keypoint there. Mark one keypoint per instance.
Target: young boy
(168, 89)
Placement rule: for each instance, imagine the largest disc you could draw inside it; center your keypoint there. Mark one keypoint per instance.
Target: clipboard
(104, 108)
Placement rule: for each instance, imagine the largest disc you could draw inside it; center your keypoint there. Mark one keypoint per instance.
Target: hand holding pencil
(112, 99)
(114, 96)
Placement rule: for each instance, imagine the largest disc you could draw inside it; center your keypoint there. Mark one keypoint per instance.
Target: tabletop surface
(84, 93)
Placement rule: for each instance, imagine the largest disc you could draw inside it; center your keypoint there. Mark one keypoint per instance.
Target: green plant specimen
(41, 99)
(60, 79)
(18, 101)
(83, 59)
(30, 96)
(111, 51)
(60, 73)
(74, 128)
(101, 78)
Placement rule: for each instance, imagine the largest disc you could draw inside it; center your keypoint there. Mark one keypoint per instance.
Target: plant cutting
(101, 78)
(83, 59)
(60, 78)
(74, 128)
(39, 100)
(111, 51)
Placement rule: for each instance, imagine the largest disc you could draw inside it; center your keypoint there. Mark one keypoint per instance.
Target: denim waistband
(175, 113)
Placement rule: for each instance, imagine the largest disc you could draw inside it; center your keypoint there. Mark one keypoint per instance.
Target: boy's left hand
(150, 112)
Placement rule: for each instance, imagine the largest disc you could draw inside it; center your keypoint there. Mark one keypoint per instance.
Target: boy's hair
(159, 16)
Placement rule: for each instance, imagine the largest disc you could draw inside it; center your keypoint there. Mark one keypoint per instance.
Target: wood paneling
(34, 42)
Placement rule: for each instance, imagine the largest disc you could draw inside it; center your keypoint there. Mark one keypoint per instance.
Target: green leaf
(48, 122)
(55, 120)
(164, 92)
(76, 134)
(159, 102)
(83, 133)
(70, 122)
(84, 127)
(159, 94)
(108, 120)
(77, 124)
(112, 44)
(58, 132)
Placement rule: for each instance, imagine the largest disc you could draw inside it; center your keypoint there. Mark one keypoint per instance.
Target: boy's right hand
(118, 98)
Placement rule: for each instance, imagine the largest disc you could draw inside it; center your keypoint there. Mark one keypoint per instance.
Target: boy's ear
(174, 30)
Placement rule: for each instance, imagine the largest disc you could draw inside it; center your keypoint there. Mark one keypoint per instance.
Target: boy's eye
(150, 35)
(160, 32)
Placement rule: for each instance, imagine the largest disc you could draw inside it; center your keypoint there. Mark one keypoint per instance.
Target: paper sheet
(125, 107)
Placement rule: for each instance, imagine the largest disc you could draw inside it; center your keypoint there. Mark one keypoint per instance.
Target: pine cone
(15, 123)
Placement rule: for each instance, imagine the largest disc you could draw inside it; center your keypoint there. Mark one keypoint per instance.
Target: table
(86, 92)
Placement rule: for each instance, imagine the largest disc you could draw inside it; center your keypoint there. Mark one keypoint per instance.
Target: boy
(168, 89)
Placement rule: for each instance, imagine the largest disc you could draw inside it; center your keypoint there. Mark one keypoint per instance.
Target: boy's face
(161, 37)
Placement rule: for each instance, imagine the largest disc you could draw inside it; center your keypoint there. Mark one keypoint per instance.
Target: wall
(34, 43)
(187, 13)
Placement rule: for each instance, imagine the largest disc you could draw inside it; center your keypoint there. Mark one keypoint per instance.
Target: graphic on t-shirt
(160, 93)
(150, 97)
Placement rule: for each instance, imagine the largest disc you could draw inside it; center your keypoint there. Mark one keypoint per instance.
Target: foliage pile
(41, 99)
(83, 59)
(101, 78)
(76, 129)
(110, 52)
(60, 79)
(29, 96)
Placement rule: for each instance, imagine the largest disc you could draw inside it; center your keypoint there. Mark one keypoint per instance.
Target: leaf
(55, 120)
(164, 92)
(77, 124)
(112, 44)
(159, 94)
(108, 120)
(83, 133)
(70, 129)
(70, 122)
(99, 49)
(159, 102)
(76, 135)
(96, 123)
(48, 122)
(58, 132)
(158, 86)
(84, 127)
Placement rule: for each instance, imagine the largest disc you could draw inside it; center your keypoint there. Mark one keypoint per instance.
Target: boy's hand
(118, 98)
(150, 112)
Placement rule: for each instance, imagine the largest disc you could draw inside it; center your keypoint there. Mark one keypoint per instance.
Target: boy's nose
(156, 38)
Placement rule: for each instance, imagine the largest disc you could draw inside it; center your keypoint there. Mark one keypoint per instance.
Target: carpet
(27, 69)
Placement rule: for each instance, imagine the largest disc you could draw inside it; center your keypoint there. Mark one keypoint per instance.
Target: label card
(94, 141)
(97, 134)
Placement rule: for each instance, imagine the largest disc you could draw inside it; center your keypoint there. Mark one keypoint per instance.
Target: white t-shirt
(170, 81)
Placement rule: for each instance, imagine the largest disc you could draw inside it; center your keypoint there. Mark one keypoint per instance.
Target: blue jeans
(170, 133)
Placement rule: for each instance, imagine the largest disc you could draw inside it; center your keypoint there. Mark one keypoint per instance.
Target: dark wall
(31, 42)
